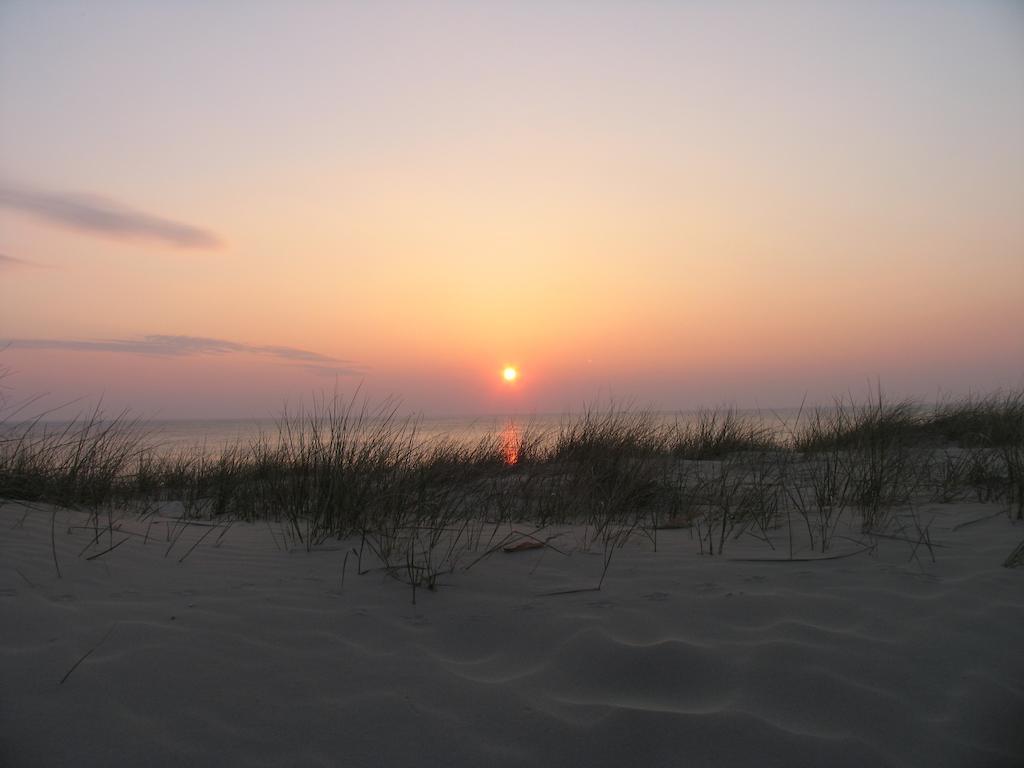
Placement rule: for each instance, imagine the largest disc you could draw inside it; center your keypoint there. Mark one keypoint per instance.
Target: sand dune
(246, 654)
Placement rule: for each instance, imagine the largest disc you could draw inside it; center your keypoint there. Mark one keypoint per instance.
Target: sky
(212, 209)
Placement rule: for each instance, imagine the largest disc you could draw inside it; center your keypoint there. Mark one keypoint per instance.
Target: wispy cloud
(9, 262)
(186, 346)
(100, 216)
(290, 353)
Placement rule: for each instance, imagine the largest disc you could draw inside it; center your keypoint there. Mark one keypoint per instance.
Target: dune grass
(421, 509)
(81, 462)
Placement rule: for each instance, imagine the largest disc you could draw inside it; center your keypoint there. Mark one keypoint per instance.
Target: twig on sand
(223, 533)
(958, 526)
(796, 559)
(528, 540)
(111, 548)
(279, 547)
(569, 591)
(523, 546)
(196, 544)
(92, 542)
(907, 539)
(344, 565)
(87, 654)
(545, 542)
(1016, 557)
(53, 540)
(29, 509)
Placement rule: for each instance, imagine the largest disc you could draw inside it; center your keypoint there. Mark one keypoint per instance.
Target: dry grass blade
(977, 520)
(111, 548)
(87, 654)
(1016, 557)
(798, 559)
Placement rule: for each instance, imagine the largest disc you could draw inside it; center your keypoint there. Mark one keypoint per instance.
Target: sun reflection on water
(511, 442)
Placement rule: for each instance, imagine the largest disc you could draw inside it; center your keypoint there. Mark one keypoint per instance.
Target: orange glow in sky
(685, 204)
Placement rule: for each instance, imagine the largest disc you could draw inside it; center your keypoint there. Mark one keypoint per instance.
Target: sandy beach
(512, 384)
(240, 653)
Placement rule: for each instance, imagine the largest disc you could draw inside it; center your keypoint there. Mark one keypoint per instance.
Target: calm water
(212, 435)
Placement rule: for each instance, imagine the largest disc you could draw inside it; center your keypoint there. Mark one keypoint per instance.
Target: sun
(510, 374)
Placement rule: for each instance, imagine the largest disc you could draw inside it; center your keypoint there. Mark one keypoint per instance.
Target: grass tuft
(421, 509)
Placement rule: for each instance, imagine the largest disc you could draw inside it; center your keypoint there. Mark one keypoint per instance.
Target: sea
(212, 436)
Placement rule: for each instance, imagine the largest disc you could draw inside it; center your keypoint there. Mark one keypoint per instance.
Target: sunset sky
(207, 209)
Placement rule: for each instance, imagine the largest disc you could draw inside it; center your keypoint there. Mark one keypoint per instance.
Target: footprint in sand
(124, 593)
(658, 597)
